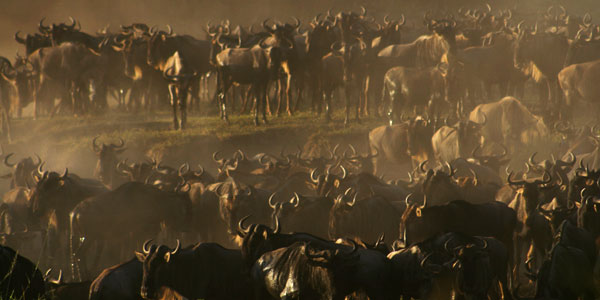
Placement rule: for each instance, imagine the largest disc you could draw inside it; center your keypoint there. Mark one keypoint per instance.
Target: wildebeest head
(585, 178)
(588, 215)
(107, 160)
(531, 190)
(474, 268)
(362, 163)
(494, 162)
(328, 184)
(155, 263)
(159, 48)
(137, 172)
(21, 175)
(320, 38)
(49, 192)
(468, 134)
(33, 42)
(20, 77)
(342, 207)
(557, 168)
(418, 138)
(257, 239)
(439, 186)
(236, 200)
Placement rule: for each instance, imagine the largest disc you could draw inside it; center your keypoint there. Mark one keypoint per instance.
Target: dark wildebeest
(122, 282)
(567, 273)
(205, 270)
(133, 210)
(21, 278)
(371, 272)
(33, 42)
(533, 231)
(305, 271)
(238, 200)
(193, 56)
(106, 167)
(254, 66)
(21, 175)
(304, 214)
(62, 70)
(493, 219)
(530, 44)
(366, 219)
(56, 289)
(17, 77)
(53, 198)
(422, 89)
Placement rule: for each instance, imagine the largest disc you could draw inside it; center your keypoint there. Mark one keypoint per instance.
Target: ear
(167, 256)
(418, 212)
(163, 37)
(578, 204)
(265, 235)
(336, 183)
(61, 182)
(140, 256)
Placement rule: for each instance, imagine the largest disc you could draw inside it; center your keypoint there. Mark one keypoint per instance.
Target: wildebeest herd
(320, 223)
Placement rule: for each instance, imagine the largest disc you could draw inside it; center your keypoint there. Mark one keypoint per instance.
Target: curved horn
(422, 166)
(96, 147)
(401, 23)
(39, 160)
(6, 161)
(42, 27)
(296, 203)
(271, 203)
(483, 242)
(241, 225)
(183, 169)
(19, 39)
(407, 199)
(177, 248)
(65, 174)
(509, 179)
(121, 144)
(73, 23)
(312, 178)
(363, 11)
(385, 20)
(344, 172)
(277, 227)
(145, 246)
(170, 29)
(546, 175)
(531, 160)
(451, 170)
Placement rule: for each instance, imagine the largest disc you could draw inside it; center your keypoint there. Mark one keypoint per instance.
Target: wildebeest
(459, 140)
(304, 271)
(366, 219)
(401, 143)
(106, 167)
(509, 123)
(134, 209)
(21, 278)
(577, 83)
(207, 271)
(21, 175)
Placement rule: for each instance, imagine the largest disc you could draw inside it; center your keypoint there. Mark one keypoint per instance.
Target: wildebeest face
(234, 205)
(107, 159)
(156, 49)
(474, 271)
(155, 263)
(48, 193)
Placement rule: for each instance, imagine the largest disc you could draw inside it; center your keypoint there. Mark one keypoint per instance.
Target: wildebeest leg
(99, 250)
(173, 97)
(288, 90)
(195, 94)
(365, 89)
(257, 91)
(327, 95)
(263, 92)
(278, 94)
(183, 93)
